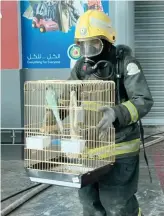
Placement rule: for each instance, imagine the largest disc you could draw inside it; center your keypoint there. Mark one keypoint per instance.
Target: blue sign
(48, 31)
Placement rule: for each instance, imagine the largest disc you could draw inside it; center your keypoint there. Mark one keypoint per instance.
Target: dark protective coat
(135, 98)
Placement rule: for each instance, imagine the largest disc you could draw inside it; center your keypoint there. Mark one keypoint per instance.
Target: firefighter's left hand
(106, 122)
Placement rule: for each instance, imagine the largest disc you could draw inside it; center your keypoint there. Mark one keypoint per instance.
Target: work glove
(106, 122)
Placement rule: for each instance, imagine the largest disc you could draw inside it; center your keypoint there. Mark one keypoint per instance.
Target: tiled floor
(59, 201)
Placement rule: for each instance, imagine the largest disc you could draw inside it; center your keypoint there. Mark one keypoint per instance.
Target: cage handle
(73, 113)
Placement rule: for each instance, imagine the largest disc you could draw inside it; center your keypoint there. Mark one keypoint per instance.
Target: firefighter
(114, 193)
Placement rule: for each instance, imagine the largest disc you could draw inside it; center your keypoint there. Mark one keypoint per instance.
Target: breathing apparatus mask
(99, 58)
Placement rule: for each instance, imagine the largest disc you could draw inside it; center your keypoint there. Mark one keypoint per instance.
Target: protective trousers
(114, 194)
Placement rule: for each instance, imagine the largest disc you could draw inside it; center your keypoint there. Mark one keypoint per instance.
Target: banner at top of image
(48, 31)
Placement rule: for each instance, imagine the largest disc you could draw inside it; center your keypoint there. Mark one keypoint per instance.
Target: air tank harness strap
(143, 142)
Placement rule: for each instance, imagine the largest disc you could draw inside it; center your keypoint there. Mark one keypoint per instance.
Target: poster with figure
(48, 31)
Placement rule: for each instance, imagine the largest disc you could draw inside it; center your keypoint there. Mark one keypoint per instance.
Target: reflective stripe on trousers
(127, 147)
(120, 149)
(139, 213)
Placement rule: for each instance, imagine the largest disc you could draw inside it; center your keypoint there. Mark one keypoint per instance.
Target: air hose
(155, 141)
(24, 199)
(15, 194)
(156, 134)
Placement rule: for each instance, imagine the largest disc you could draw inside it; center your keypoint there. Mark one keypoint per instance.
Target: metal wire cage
(62, 141)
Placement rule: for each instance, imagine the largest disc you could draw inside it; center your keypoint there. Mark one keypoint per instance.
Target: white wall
(122, 15)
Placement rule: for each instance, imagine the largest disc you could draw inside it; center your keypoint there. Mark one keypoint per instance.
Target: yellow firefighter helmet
(94, 24)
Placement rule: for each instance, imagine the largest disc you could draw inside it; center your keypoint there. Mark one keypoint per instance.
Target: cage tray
(39, 173)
